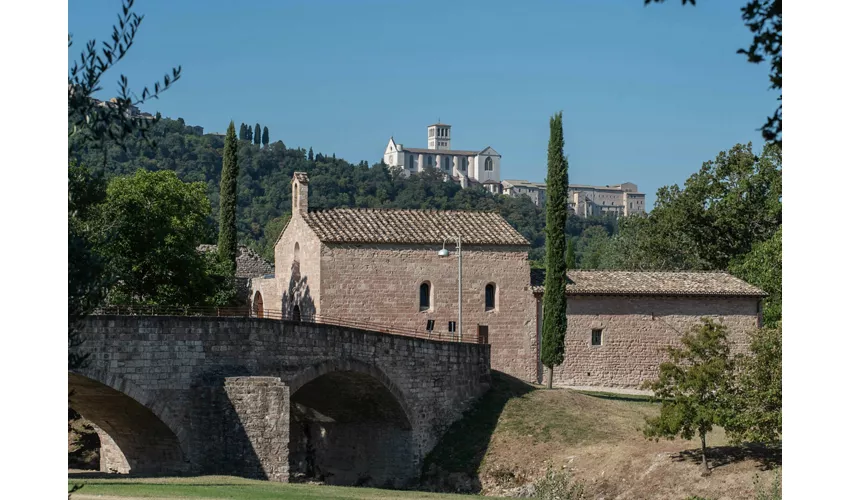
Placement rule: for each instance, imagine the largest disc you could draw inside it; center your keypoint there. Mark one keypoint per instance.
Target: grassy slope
(517, 430)
(220, 487)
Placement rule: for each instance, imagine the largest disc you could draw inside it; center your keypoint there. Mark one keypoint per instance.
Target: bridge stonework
(270, 399)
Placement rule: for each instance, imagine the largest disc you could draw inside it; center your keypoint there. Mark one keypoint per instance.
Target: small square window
(596, 336)
(452, 326)
(429, 325)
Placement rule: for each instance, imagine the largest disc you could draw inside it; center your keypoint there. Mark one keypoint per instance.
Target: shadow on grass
(768, 457)
(628, 398)
(453, 463)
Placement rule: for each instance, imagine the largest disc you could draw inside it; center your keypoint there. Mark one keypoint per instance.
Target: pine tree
(265, 136)
(257, 135)
(571, 254)
(249, 133)
(310, 154)
(554, 294)
(227, 201)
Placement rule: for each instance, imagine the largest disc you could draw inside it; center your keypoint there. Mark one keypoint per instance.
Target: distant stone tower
(439, 136)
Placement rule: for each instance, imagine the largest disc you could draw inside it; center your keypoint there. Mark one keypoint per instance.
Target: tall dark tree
(249, 133)
(554, 294)
(265, 136)
(310, 154)
(571, 254)
(227, 200)
(257, 135)
(242, 132)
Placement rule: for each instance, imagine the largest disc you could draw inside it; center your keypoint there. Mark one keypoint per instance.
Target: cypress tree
(257, 136)
(227, 201)
(249, 135)
(265, 136)
(242, 132)
(571, 254)
(310, 154)
(554, 294)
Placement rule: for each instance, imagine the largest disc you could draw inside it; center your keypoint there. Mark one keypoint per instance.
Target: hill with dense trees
(264, 183)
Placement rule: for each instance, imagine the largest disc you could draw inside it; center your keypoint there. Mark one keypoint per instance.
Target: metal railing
(278, 315)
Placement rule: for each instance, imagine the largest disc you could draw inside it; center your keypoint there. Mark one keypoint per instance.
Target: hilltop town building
(382, 267)
(466, 167)
(585, 201)
(483, 167)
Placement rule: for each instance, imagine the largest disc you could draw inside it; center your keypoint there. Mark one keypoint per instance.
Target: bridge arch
(148, 435)
(350, 425)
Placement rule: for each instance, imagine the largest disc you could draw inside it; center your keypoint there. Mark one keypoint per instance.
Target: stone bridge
(270, 399)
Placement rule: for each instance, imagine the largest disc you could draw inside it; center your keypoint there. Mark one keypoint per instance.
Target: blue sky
(648, 93)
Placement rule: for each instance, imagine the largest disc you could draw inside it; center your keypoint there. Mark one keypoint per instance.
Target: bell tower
(439, 136)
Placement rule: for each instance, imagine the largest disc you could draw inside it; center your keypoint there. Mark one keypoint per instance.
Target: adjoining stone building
(618, 322)
(249, 265)
(383, 267)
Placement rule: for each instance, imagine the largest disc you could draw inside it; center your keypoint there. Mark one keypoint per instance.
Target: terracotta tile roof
(694, 283)
(346, 225)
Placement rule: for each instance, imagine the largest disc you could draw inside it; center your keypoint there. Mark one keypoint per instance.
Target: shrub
(558, 485)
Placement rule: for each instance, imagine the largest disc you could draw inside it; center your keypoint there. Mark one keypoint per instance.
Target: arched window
(258, 305)
(445, 163)
(425, 296)
(490, 297)
(488, 164)
(430, 161)
(410, 163)
(296, 314)
(296, 261)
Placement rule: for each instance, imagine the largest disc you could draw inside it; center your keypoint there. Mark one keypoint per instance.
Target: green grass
(227, 487)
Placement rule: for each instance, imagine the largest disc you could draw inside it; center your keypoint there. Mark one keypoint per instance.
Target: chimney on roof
(300, 188)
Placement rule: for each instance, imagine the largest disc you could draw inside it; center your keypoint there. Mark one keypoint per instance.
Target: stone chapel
(399, 268)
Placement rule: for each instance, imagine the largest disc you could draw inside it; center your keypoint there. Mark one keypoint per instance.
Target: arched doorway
(133, 439)
(258, 305)
(296, 314)
(347, 427)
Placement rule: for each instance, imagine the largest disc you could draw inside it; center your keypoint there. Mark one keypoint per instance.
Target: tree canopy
(155, 223)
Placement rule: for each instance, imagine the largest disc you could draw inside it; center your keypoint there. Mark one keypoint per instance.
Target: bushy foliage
(762, 267)
(754, 412)
(83, 443)
(558, 485)
(156, 223)
(692, 386)
(724, 210)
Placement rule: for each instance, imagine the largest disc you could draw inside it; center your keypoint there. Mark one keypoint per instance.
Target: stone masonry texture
(379, 284)
(215, 395)
(635, 331)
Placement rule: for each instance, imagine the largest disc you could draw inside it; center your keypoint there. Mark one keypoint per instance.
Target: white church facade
(463, 166)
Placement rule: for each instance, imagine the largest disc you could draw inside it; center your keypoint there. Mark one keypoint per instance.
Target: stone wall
(298, 273)
(164, 389)
(112, 460)
(380, 284)
(634, 332)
